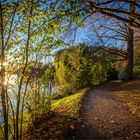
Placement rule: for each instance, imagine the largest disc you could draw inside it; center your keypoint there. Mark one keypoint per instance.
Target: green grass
(70, 105)
(64, 113)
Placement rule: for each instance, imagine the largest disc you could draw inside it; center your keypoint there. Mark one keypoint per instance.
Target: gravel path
(104, 116)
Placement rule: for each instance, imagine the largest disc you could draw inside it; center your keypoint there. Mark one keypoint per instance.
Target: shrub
(136, 70)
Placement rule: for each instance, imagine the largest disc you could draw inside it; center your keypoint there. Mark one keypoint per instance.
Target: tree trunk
(130, 55)
(130, 48)
(2, 74)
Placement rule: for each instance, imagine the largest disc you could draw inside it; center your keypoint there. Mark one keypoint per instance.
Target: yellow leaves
(41, 13)
(72, 126)
(62, 13)
(10, 41)
(134, 111)
(53, 12)
(31, 18)
(5, 23)
(131, 96)
(111, 121)
(17, 36)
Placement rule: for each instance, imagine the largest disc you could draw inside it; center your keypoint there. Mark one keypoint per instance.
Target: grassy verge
(130, 94)
(64, 112)
(70, 105)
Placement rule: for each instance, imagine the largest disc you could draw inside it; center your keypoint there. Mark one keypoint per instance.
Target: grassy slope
(130, 93)
(70, 105)
(64, 112)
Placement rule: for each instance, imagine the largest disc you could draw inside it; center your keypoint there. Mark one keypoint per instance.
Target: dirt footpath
(104, 116)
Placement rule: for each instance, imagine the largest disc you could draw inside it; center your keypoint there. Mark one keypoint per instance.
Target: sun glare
(5, 83)
(5, 63)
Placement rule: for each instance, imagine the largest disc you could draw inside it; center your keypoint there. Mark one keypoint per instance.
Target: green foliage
(64, 113)
(48, 75)
(80, 66)
(31, 32)
(136, 70)
(40, 106)
(56, 96)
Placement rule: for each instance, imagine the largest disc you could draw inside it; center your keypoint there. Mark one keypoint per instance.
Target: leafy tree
(125, 11)
(80, 66)
(29, 32)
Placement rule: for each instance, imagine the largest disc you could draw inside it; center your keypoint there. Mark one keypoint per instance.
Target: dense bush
(136, 70)
(80, 66)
